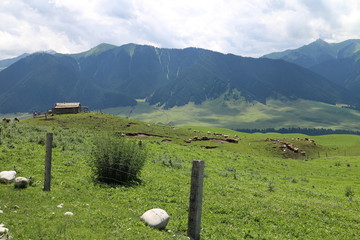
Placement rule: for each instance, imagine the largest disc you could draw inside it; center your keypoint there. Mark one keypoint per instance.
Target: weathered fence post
(196, 191)
(48, 156)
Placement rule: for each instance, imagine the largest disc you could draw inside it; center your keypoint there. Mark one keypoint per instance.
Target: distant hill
(318, 52)
(110, 76)
(338, 62)
(7, 62)
(4, 63)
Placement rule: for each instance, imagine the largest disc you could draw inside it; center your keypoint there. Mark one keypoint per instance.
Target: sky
(242, 27)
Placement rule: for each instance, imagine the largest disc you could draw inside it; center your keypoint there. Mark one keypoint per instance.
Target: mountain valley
(111, 77)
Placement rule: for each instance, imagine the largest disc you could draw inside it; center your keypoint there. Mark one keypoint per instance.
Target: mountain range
(337, 62)
(111, 76)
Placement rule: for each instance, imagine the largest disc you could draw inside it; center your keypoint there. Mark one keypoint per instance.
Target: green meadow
(252, 189)
(240, 114)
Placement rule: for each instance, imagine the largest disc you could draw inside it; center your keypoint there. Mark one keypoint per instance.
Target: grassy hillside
(252, 189)
(239, 114)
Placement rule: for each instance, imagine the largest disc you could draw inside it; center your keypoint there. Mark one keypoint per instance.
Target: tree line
(307, 131)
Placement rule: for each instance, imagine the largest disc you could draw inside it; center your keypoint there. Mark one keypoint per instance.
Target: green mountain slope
(241, 114)
(318, 52)
(109, 76)
(337, 62)
(95, 50)
(256, 79)
(42, 79)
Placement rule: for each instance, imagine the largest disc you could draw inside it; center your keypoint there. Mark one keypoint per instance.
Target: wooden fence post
(48, 156)
(196, 192)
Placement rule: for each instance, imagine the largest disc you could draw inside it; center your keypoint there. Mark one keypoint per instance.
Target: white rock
(21, 182)
(61, 205)
(156, 218)
(68, 214)
(4, 232)
(7, 176)
(1, 211)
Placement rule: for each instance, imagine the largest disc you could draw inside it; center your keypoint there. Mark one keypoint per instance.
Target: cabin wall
(66, 110)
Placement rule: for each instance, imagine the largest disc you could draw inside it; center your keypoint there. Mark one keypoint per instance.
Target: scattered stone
(1, 211)
(61, 205)
(7, 176)
(21, 182)
(286, 145)
(156, 218)
(4, 232)
(16, 207)
(68, 214)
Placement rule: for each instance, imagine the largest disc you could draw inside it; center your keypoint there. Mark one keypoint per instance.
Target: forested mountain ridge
(338, 62)
(318, 52)
(110, 76)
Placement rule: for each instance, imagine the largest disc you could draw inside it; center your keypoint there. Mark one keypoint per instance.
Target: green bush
(349, 193)
(117, 160)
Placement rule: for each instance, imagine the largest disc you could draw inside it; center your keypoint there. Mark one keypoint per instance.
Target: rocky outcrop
(284, 146)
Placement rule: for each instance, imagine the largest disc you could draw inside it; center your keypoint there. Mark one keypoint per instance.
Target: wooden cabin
(66, 108)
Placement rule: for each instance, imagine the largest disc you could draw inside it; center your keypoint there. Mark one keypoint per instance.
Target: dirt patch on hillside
(209, 147)
(217, 140)
(142, 135)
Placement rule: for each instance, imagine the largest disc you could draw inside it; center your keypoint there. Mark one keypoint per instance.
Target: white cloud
(247, 27)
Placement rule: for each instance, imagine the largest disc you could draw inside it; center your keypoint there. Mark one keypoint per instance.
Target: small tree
(117, 160)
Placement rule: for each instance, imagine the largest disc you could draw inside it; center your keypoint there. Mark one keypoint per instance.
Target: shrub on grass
(349, 193)
(117, 160)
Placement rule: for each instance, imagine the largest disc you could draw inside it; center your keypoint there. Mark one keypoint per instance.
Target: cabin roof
(67, 105)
